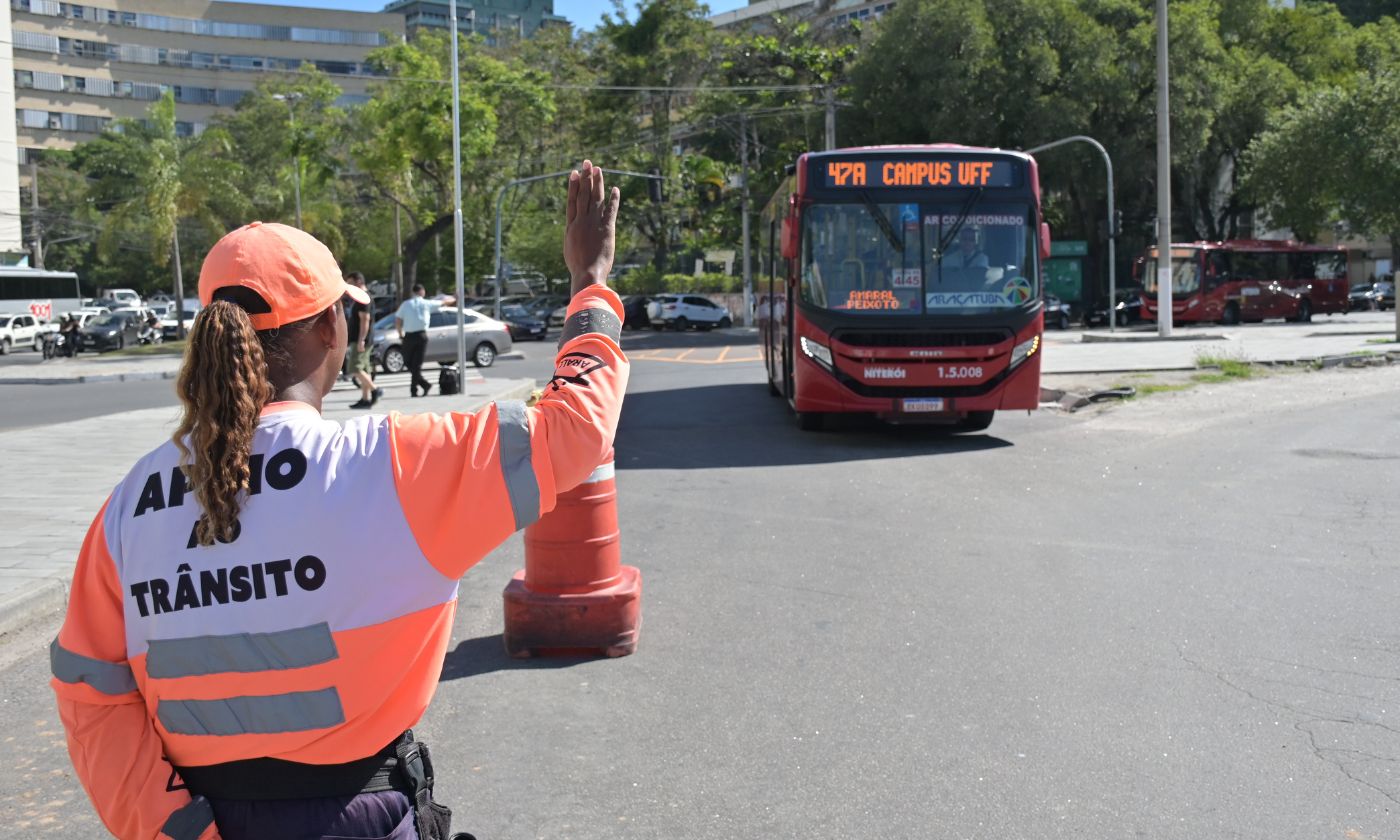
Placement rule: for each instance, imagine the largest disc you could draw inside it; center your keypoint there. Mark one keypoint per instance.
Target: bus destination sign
(881, 173)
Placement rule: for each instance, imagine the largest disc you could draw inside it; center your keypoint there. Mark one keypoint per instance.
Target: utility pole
(34, 214)
(830, 117)
(179, 282)
(744, 213)
(457, 204)
(398, 254)
(1164, 181)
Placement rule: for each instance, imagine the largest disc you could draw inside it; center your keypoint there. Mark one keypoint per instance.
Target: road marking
(687, 356)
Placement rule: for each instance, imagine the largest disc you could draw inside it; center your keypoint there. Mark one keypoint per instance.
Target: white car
(680, 312)
(22, 330)
(126, 298)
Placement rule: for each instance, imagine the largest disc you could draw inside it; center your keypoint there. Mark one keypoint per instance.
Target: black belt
(274, 778)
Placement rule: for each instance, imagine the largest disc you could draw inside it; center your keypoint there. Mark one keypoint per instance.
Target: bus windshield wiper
(962, 217)
(884, 224)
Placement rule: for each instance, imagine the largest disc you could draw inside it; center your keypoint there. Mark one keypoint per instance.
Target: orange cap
(287, 267)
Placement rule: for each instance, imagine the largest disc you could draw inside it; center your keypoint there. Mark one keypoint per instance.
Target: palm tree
(153, 179)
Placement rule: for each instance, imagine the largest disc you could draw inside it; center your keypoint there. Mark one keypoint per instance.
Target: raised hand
(590, 228)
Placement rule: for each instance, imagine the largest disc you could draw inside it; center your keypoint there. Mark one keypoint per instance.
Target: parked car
(1379, 295)
(21, 330)
(1127, 311)
(558, 314)
(112, 331)
(634, 312)
(169, 324)
(123, 297)
(1056, 313)
(681, 312)
(486, 338)
(522, 323)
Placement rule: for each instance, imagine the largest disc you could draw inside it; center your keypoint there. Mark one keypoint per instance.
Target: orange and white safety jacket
(317, 634)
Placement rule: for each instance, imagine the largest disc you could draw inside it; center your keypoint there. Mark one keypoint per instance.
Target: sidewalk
(1138, 348)
(89, 367)
(73, 466)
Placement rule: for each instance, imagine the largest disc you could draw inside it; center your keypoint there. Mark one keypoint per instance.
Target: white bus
(43, 294)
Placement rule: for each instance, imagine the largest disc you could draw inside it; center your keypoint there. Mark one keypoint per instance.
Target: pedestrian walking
(237, 663)
(411, 321)
(357, 344)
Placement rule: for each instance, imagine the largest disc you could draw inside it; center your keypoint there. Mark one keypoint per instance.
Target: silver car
(486, 338)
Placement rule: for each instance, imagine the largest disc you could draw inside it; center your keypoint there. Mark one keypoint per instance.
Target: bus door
(1215, 284)
(1251, 279)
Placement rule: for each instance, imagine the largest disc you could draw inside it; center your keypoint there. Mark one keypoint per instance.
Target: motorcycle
(150, 334)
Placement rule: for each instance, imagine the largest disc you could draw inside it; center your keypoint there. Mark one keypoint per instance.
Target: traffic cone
(574, 596)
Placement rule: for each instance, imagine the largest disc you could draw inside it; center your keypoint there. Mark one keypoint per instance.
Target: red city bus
(904, 282)
(1248, 280)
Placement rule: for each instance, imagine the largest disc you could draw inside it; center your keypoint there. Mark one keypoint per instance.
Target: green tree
(404, 139)
(147, 179)
(1331, 158)
(287, 128)
(669, 45)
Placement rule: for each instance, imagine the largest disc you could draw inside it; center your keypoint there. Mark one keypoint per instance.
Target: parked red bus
(1248, 280)
(904, 282)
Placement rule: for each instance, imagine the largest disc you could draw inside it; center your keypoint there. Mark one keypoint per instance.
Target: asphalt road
(1172, 618)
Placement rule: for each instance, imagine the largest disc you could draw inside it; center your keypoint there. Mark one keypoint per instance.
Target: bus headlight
(820, 352)
(1024, 350)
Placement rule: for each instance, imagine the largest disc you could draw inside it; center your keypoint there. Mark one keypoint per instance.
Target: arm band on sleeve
(591, 320)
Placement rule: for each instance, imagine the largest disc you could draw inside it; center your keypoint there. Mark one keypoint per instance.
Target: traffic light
(654, 187)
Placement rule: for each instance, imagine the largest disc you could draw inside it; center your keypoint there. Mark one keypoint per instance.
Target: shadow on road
(634, 340)
(487, 654)
(740, 425)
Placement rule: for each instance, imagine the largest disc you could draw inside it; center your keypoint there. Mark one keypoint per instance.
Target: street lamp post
(1112, 218)
(290, 98)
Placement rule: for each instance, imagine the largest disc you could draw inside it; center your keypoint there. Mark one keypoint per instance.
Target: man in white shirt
(967, 255)
(411, 321)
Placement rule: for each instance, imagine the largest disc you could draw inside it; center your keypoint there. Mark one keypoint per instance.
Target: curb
(20, 609)
(94, 377)
(1090, 338)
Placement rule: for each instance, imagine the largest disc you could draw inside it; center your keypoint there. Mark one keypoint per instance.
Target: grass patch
(1381, 341)
(1363, 353)
(1160, 388)
(165, 348)
(1227, 368)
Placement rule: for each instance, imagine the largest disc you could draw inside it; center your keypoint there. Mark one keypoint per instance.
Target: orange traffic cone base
(604, 622)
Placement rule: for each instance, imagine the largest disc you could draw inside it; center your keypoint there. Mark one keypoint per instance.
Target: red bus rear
(1249, 280)
(904, 282)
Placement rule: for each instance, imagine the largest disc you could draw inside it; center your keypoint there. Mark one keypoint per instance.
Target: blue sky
(584, 14)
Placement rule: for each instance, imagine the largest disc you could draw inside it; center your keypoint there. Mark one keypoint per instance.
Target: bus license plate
(923, 404)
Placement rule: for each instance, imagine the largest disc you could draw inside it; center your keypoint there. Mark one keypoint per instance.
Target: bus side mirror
(1044, 241)
(790, 237)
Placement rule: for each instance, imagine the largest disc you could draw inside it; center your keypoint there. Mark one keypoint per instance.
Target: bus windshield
(911, 259)
(1186, 272)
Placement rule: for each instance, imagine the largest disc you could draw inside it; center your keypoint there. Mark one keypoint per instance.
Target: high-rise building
(78, 67)
(490, 19)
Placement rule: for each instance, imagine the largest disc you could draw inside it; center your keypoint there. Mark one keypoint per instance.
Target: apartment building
(491, 19)
(79, 66)
(758, 14)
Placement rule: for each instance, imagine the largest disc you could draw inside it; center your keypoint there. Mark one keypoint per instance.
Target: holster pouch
(434, 821)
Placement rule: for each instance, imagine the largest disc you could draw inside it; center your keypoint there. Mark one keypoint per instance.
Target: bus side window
(1304, 267)
(1217, 268)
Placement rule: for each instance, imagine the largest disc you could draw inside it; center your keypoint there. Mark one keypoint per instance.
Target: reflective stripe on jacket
(317, 634)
